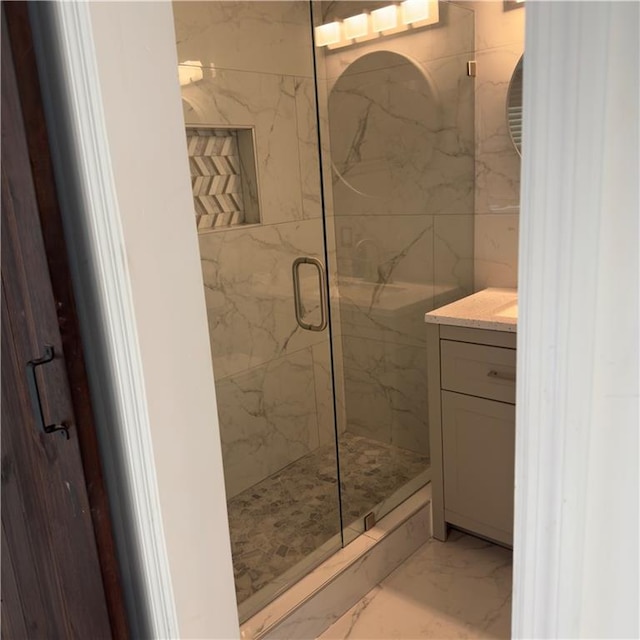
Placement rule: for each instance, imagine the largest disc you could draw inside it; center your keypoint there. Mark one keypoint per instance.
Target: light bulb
(385, 18)
(356, 26)
(327, 34)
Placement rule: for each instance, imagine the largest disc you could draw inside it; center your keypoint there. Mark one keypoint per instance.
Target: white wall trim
(576, 561)
(105, 248)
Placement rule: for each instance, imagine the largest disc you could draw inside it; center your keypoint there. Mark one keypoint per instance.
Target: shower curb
(347, 576)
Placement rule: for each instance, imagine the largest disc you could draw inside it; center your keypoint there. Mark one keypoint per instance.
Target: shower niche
(224, 179)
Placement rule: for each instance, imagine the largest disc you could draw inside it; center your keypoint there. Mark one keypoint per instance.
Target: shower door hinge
(369, 521)
(471, 68)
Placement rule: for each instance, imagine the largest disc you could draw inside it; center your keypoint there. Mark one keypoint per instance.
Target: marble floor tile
(278, 522)
(457, 589)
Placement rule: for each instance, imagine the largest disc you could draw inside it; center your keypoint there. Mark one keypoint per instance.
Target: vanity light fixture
(380, 22)
(414, 10)
(419, 13)
(356, 26)
(189, 71)
(328, 34)
(384, 19)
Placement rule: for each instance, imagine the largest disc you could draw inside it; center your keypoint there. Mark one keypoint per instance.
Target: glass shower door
(246, 71)
(397, 128)
(383, 193)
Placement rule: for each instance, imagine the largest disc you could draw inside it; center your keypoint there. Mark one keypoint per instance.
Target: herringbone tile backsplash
(216, 177)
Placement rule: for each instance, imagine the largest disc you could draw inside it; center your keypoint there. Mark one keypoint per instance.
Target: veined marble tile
(453, 34)
(307, 129)
(405, 382)
(322, 372)
(385, 266)
(335, 319)
(402, 137)
(392, 510)
(319, 583)
(268, 104)
(496, 251)
(385, 392)
(397, 327)
(268, 419)
(385, 249)
(249, 292)
(497, 162)
(415, 501)
(368, 409)
(269, 37)
(457, 589)
(382, 142)
(453, 257)
(325, 138)
(495, 23)
(286, 603)
(316, 614)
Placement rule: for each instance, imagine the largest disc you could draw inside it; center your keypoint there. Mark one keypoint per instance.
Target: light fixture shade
(356, 26)
(420, 13)
(384, 19)
(327, 34)
(415, 11)
(190, 71)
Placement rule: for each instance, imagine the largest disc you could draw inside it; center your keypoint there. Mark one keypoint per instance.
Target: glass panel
(247, 73)
(398, 157)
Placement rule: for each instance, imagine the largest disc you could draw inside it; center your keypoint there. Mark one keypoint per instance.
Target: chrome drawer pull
(500, 375)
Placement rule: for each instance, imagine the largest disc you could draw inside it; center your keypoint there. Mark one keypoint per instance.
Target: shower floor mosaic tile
(278, 522)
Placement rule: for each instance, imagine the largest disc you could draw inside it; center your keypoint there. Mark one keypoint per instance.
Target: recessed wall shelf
(223, 176)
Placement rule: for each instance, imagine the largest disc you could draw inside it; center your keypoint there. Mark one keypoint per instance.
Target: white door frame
(576, 523)
(577, 360)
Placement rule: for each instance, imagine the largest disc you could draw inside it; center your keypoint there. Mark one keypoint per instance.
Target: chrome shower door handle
(297, 300)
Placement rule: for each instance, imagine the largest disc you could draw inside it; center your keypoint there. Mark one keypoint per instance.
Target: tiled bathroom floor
(278, 522)
(457, 589)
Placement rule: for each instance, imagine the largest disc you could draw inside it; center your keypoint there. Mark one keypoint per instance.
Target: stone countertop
(495, 309)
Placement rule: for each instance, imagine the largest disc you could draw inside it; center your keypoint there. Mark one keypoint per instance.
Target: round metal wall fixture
(514, 106)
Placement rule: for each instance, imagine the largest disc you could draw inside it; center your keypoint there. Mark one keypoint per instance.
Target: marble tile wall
(264, 37)
(404, 237)
(400, 120)
(273, 379)
(499, 45)
(267, 418)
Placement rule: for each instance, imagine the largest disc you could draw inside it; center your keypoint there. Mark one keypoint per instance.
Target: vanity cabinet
(472, 429)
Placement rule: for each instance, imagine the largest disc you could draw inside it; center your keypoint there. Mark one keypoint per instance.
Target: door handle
(297, 301)
(34, 392)
(502, 375)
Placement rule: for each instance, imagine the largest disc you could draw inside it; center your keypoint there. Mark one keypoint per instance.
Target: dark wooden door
(59, 572)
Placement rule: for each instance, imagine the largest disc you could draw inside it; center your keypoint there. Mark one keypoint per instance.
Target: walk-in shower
(333, 201)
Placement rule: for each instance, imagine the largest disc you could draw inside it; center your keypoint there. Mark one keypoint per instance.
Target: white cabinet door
(478, 446)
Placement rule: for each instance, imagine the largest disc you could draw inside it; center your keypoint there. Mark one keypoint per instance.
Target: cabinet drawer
(479, 370)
